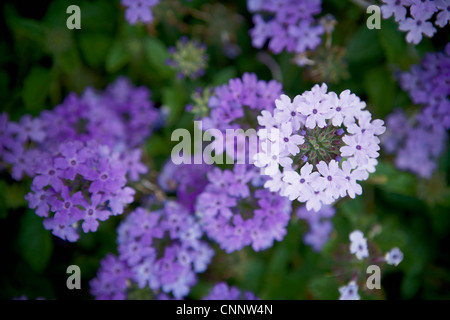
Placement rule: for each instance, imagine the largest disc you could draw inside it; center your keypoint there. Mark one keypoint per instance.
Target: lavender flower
(187, 181)
(394, 257)
(139, 10)
(80, 154)
(420, 12)
(163, 249)
(286, 25)
(427, 129)
(235, 106)
(358, 245)
(112, 279)
(349, 292)
(335, 145)
(236, 213)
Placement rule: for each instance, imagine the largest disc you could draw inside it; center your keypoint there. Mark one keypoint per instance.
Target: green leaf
(69, 61)
(157, 54)
(35, 242)
(174, 98)
(95, 47)
(22, 27)
(224, 75)
(381, 89)
(324, 287)
(36, 87)
(393, 180)
(364, 46)
(14, 195)
(117, 57)
(394, 44)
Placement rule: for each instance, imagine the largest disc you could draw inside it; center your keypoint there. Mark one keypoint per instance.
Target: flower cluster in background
(324, 144)
(235, 105)
(188, 58)
(287, 25)
(421, 13)
(161, 250)
(236, 211)
(185, 181)
(81, 155)
(427, 86)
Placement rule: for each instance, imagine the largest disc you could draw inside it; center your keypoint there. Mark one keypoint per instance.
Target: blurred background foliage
(42, 61)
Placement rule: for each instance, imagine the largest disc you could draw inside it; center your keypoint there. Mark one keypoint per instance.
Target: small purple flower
(94, 213)
(396, 7)
(139, 10)
(67, 209)
(415, 27)
(286, 25)
(47, 174)
(349, 292)
(72, 160)
(358, 245)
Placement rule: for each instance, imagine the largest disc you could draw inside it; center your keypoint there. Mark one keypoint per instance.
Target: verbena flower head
(235, 105)
(81, 155)
(317, 147)
(426, 130)
(222, 291)
(112, 279)
(188, 58)
(186, 181)
(287, 25)
(394, 257)
(418, 22)
(163, 249)
(139, 10)
(427, 84)
(236, 212)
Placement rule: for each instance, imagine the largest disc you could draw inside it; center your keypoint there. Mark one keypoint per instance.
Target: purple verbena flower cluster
(287, 25)
(323, 143)
(161, 249)
(236, 212)
(235, 106)
(81, 155)
(187, 181)
(188, 58)
(221, 291)
(112, 279)
(233, 101)
(420, 12)
(319, 224)
(428, 85)
(139, 10)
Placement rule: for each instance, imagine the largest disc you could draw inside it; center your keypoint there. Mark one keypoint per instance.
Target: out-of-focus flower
(188, 58)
